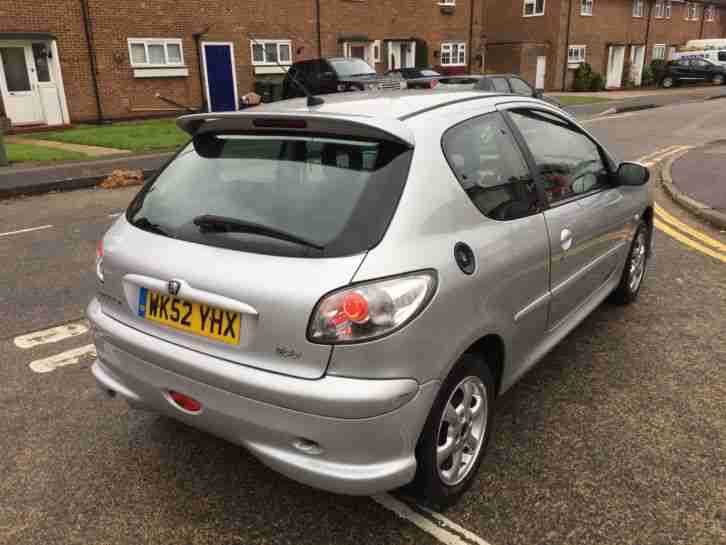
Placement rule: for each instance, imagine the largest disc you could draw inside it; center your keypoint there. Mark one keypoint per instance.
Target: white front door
(616, 60)
(637, 60)
(539, 81)
(401, 55)
(19, 85)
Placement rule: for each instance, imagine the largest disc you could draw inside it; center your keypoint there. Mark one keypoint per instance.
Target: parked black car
(334, 75)
(416, 78)
(692, 71)
(497, 83)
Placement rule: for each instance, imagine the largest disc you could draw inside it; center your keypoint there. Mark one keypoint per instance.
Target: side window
(520, 87)
(490, 168)
(569, 162)
(501, 85)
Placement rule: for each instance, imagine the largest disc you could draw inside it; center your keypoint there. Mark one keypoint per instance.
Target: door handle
(566, 239)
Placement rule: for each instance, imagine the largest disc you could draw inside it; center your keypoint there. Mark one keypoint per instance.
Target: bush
(658, 67)
(583, 75)
(648, 78)
(597, 82)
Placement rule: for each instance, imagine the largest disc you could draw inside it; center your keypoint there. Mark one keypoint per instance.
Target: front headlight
(370, 310)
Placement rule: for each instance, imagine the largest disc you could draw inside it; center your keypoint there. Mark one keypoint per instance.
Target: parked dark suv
(335, 75)
(692, 71)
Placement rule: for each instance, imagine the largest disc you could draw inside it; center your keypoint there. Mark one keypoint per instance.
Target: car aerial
(688, 70)
(416, 78)
(497, 83)
(346, 289)
(334, 75)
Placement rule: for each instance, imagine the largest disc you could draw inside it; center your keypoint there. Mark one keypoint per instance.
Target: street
(617, 436)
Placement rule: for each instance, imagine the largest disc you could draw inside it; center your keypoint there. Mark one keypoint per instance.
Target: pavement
(24, 180)
(617, 436)
(91, 151)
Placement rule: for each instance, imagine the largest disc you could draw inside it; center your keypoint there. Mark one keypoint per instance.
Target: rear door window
(490, 168)
(287, 195)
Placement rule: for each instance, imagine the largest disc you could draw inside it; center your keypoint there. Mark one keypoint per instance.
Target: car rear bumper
(351, 456)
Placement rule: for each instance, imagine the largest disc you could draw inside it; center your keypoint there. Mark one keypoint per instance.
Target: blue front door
(220, 77)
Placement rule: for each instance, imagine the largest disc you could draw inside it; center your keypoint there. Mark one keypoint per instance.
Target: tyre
(453, 441)
(635, 268)
(667, 82)
(718, 79)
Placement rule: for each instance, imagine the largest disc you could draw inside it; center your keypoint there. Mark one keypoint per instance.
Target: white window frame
(694, 15)
(638, 8)
(146, 42)
(710, 13)
(267, 62)
(668, 9)
(659, 9)
(461, 48)
(447, 3)
(370, 50)
(662, 48)
(534, 13)
(579, 58)
(586, 7)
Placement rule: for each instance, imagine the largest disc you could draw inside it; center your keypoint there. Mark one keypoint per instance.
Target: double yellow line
(673, 227)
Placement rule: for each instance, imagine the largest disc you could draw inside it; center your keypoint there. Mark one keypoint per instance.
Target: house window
(576, 54)
(271, 52)
(447, 2)
(586, 7)
(151, 52)
(377, 51)
(710, 13)
(638, 8)
(453, 54)
(534, 8)
(659, 52)
(663, 9)
(692, 11)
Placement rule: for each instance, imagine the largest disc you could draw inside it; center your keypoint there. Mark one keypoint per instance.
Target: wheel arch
(490, 350)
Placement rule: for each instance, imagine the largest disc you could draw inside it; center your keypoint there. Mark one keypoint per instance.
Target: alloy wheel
(637, 262)
(461, 430)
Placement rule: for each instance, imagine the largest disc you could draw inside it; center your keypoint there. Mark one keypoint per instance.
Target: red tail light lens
(185, 402)
(434, 83)
(371, 310)
(99, 261)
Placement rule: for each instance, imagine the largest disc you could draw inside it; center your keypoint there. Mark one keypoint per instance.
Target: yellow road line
(687, 229)
(688, 242)
(655, 153)
(666, 152)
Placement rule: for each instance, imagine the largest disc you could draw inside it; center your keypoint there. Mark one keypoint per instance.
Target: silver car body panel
(364, 404)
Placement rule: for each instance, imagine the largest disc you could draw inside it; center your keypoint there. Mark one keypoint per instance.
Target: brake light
(434, 83)
(371, 310)
(99, 261)
(185, 402)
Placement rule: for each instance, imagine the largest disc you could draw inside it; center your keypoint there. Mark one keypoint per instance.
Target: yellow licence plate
(212, 322)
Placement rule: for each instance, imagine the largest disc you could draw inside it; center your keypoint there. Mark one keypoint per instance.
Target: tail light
(371, 310)
(99, 261)
(434, 83)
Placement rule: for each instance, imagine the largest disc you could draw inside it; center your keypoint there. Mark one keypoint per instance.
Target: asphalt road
(617, 436)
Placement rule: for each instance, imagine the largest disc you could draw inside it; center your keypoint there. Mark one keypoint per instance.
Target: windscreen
(351, 67)
(285, 195)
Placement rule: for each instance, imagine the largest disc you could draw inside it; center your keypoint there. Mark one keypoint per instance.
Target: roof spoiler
(379, 128)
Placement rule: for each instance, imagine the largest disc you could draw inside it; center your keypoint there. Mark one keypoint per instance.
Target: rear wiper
(146, 225)
(208, 222)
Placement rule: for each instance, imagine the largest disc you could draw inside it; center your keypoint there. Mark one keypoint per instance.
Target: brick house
(545, 40)
(188, 51)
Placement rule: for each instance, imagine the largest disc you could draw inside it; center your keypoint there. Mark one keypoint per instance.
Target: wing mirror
(632, 174)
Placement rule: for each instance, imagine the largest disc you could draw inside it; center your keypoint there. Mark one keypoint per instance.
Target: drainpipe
(92, 59)
(567, 46)
(647, 27)
(471, 31)
(317, 28)
(703, 20)
(198, 43)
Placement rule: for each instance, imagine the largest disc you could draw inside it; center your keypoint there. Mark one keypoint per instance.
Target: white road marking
(52, 335)
(115, 215)
(69, 357)
(434, 524)
(25, 230)
(606, 118)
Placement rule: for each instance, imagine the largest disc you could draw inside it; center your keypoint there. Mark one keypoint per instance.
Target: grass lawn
(575, 100)
(17, 153)
(157, 134)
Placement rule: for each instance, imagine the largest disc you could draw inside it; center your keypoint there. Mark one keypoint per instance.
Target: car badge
(173, 286)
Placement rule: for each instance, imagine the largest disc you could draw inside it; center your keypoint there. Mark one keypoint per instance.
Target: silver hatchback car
(346, 289)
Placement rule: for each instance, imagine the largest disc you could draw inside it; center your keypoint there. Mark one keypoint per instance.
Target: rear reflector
(185, 402)
(280, 123)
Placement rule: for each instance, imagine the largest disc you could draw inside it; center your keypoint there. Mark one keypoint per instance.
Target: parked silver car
(345, 290)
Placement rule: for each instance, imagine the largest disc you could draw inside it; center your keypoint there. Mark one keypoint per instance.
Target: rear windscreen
(283, 195)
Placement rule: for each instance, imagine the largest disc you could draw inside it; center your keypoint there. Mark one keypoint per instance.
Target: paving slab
(91, 151)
